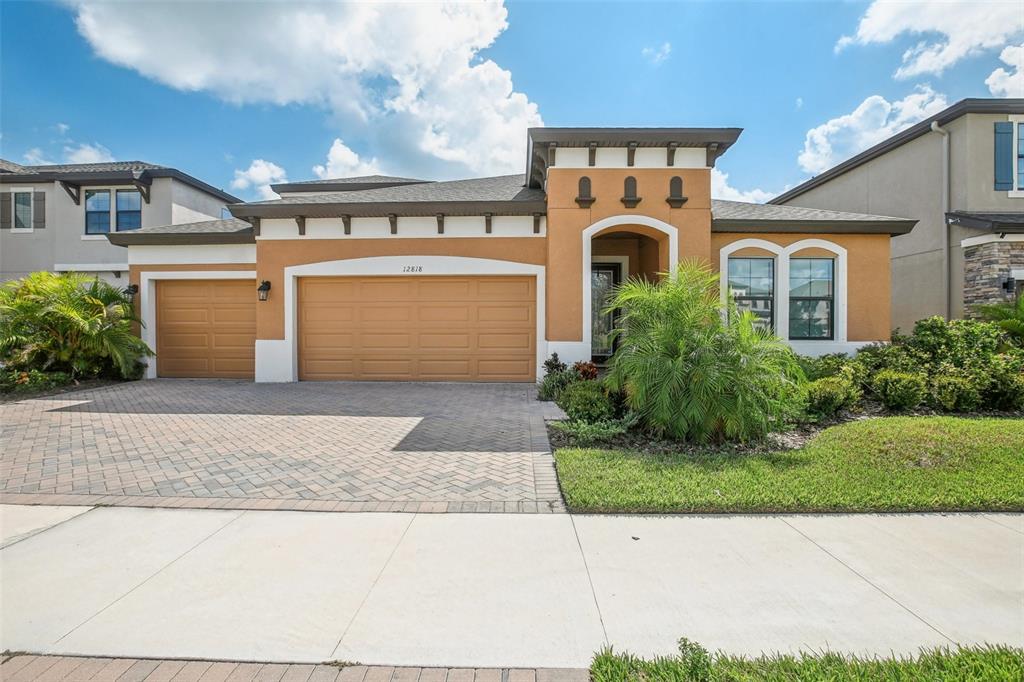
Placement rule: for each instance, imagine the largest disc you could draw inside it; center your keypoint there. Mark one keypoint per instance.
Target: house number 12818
(412, 268)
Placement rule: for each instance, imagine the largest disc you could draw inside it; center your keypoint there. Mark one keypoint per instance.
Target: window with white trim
(752, 286)
(811, 299)
(97, 211)
(22, 206)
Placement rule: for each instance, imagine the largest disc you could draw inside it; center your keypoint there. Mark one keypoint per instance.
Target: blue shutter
(1004, 155)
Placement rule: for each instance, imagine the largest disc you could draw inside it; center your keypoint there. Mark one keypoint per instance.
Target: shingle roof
(356, 180)
(10, 167)
(105, 166)
(495, 194)
(739, 216)
(227, 231)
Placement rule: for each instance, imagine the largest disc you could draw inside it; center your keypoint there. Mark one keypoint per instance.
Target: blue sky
(243, 94)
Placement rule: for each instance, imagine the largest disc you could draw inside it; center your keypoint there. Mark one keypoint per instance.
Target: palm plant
(690, 371)
(68, 322)
(1009, 316)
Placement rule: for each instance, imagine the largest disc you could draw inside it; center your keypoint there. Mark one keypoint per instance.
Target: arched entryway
(615, 249)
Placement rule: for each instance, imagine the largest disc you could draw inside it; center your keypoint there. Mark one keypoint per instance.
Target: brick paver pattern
(22, 668)
(324, 446)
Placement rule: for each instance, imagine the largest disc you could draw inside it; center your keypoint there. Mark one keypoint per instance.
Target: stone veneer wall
(985, 268)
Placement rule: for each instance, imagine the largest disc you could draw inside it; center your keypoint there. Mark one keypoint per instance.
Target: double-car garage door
(358, 328)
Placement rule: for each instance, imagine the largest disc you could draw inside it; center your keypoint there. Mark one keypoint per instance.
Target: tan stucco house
(960, 174)
(383, 278)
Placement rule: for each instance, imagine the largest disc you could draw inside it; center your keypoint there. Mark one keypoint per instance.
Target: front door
(604, 277)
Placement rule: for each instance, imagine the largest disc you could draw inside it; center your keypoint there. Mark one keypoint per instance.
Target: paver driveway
(324, 446)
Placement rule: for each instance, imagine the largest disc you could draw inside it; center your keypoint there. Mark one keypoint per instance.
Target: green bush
(692, 373)
(588, 433)
(553, 365)
(954, 393)
(68, 323)
(823, 366)
(899, 390)
(19, 381)
(1009, 317)
(1002, 382)
(829, 395)
(586, 401)
(552, 385)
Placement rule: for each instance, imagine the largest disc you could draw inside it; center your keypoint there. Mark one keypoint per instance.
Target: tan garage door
(417, 328)
(206, 328)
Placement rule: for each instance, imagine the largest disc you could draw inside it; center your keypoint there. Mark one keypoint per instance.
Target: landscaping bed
(871, 465)
(696, 664)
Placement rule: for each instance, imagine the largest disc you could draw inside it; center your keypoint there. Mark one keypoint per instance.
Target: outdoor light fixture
(263, 290)
(130, 292)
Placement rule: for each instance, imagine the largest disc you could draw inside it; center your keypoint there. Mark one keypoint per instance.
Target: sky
(245, 94)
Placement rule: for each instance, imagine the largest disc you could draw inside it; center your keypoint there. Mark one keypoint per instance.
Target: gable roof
(740, 216)
(344, 184)
(112, 172)
(964, 106)
(500, 195)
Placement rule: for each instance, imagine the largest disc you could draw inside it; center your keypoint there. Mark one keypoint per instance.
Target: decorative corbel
(670, 160)
(551, 154)
(255, 226)
(143, 189)
(393, 219)
(346, 221)
(592, 154)
(74, 191)
(487, 222)
(536, 223)
(440, 223)
(631, 154)
(300, 222)
(712, 154)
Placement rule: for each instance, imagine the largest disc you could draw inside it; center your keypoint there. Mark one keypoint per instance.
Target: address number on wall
(412, 268)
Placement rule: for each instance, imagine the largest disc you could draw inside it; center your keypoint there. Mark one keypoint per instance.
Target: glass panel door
(604, 277)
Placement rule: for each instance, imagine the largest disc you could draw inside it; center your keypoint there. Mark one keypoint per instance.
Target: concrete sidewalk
(496, 590)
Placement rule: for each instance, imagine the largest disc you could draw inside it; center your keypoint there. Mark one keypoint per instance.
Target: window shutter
(39, 210)
(1004, 156)
(6, 217)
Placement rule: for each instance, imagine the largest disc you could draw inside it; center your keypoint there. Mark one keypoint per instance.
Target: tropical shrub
(1002, 382)
(553, 365)
(954, 393)
(586, 401)
(824, 365)
(552, 385)
(588, 433)
(960, 343)
(68, 323)
(1009, 317)
(692, 373)
(899, 390)
(829, 395)
(585, 370)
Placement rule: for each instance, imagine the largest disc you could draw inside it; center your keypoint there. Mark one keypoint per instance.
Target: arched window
(585, 198)
(630, 198)
(675, 192)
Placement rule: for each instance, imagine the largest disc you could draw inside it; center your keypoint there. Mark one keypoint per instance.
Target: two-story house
(57, 217)
(960, 174)
(379, 278)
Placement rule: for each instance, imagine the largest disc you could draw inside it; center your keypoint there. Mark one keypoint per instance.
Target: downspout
(946, 265)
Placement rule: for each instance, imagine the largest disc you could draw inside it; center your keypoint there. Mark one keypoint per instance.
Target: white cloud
(343, 162)
(1003, 83)
(874, 120)
(720, 189)
(260, 175)
(62, 128)
(87, 153)
(406, 77)
(36, 157)
(799, 102)
(950, 31)
(656, 55)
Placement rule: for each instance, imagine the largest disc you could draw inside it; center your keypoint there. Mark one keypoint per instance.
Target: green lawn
(886, 464)
(694, 664)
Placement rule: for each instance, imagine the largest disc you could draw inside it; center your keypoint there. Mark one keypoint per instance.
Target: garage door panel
(418, 328)
(206, 328)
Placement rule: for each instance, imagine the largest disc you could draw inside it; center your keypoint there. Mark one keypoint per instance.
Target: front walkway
(335, 446)
(500, 590)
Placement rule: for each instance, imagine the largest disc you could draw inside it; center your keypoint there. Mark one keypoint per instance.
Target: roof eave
(180, 238)
(890, 227)
(383, 209)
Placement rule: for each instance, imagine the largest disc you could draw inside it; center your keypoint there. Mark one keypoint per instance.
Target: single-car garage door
(206, 328)
(417, 328)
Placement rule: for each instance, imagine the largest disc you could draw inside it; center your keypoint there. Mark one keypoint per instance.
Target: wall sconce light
(130, 292)
(1009, 285)
(263, 290)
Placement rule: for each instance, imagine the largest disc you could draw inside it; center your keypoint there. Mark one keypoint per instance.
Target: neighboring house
(57, 217)
(379, 278)
(960, 174)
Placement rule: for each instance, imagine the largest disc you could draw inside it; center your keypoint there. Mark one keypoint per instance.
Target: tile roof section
(228, 231)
